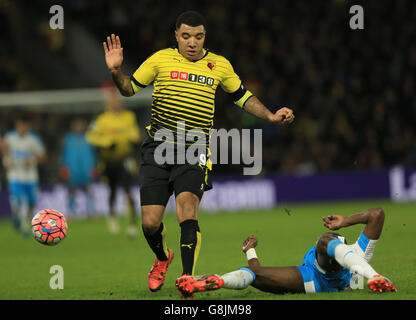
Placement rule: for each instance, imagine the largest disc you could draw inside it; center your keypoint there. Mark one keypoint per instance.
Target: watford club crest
(211, 65)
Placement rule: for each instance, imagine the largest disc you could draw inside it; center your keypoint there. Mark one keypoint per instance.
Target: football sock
(239, 279)
(157, 242)
(112, 199)
(347, 258)
(190, 245)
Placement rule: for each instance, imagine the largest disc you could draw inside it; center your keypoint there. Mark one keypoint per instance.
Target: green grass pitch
(98, 265)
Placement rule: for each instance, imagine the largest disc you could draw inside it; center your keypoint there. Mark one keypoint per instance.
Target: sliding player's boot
(157, 274)
(381, 284)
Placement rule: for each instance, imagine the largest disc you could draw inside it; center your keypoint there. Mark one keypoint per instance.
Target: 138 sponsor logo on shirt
(185, 76)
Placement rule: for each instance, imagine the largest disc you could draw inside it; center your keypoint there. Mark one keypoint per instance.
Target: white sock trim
(251, 254)
(347, 258)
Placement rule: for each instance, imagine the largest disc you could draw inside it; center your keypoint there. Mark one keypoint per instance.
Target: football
(49, 227)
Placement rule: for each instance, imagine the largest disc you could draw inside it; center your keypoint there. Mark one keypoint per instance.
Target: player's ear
(176, 35)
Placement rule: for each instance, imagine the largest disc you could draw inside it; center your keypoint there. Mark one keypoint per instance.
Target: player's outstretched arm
(248, 248)
(373, 219)
(4, 148)
(114, 59)
(282, 116)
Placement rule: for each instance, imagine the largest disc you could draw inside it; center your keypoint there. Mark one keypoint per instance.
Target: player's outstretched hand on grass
(250, 242)
(333, 221)
(113, 52)
(283, 116)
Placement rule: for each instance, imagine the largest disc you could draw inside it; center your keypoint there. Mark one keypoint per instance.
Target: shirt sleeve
(231, 84)
(145, 74)
(38, 148)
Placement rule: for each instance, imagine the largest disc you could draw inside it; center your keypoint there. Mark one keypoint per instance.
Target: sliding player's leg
(276, 280)
(346, 257)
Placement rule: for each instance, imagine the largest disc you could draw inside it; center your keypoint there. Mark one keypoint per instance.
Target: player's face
(190, 41)
(112, 103)
(22, 127)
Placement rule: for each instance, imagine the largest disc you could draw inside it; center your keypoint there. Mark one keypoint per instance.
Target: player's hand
(283, 116)
(113, 52)
(7, 163)
(30, 162)
(64, 173)
(250, 242)
(334, 221)
(95, 173)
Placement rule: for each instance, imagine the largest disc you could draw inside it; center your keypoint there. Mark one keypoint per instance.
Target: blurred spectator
(78, 163)
(116, 135)
(22, 151)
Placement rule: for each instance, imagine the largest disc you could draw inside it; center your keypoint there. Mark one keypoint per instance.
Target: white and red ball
(49, 227)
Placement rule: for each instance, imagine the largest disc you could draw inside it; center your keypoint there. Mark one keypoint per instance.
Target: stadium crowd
(351, 90)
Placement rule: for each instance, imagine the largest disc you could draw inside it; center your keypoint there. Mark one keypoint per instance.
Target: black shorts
(117, 175)
(158, 182)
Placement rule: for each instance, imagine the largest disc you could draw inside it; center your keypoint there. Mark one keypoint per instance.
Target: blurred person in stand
(78, 163)
(22, 152)
(116, 134)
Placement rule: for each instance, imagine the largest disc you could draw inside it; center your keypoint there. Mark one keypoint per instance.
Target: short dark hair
(190, 18)
(26, 118)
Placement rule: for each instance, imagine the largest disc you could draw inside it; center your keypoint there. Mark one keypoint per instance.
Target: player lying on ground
(331, 265)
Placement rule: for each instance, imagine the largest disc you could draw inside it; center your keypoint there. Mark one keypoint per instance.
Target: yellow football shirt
(185, 90)
(116, 130)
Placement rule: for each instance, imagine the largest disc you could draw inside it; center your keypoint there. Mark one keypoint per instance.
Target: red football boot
(381, 284)
(157, 274)
(188, 285)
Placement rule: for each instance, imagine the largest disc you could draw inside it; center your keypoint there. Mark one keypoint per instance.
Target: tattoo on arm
(123, 83)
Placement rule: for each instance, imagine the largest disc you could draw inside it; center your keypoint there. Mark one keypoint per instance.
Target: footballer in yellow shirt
(115, 134)
(185, 80)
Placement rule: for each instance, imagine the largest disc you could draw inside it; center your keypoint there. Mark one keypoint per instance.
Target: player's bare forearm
(40, 159)
(256, 108)
(114, 59)
(364, 217)
(122, 82)
(254, 263)
(372, 218)
(249, 245)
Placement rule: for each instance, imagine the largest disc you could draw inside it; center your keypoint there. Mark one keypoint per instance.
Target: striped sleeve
(145, 74)
(231, 84)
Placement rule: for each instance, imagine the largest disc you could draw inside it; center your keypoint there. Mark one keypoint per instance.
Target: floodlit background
(352, 90)
(352, 145)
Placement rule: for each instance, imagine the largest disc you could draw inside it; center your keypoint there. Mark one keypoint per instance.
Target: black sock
(190, 245)
(157, 242)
